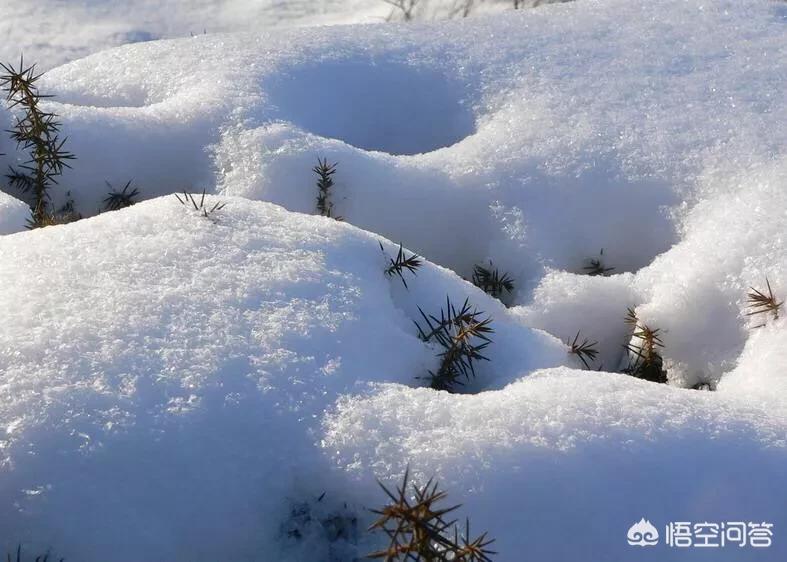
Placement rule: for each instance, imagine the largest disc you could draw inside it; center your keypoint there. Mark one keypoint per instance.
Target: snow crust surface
(180, 386)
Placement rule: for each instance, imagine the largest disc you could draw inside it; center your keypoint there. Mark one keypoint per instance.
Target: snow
(186, 387)
(54, 32)
(13, 214)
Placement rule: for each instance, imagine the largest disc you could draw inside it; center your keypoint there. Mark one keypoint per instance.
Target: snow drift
(183, 387)
(185, 383)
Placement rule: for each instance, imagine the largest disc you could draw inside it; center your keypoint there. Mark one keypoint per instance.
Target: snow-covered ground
(176, 387)
(53, 32)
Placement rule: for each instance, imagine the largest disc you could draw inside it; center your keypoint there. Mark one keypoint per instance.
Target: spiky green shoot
(116, 200)
(325, 174)
(586, 350)
(596, 266)
(491, 281)
(762, 303)
(401, 264)
(190, 201)
(463, 335)
(18, 556)
(419, 530)
(647, 362)
(36, 132)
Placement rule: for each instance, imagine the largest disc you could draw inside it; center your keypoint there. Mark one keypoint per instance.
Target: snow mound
(188, 385)
(13, 214)
(551, 149)
(568, 460)
(183, 386)
(161, 370)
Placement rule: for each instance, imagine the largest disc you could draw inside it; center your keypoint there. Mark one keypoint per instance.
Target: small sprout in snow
(595, 266)
(407, 7)
(401, 263)
(18, 556)
(313, 517)
(418, 529)
(324, 173)
(491, 281)
(761, 303)
(647, 363)
(189, 201)
(64, 215)
(117, 200)
(463, 335)
(585, 351)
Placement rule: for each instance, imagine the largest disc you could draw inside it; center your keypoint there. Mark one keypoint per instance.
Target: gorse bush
(420, 530)
(37, 132)
(491, 281)
(463, 335)
(401, 263)
(647, 362)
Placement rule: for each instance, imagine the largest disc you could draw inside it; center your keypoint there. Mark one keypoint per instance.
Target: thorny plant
(65, 214)
(762, 303)
(36, 132)
(189, 201)
(647, 362)
(401, 263)
(463, 335)
(595, 266)
(325, 174)
(406, 7)
(491, 281)
(117, 200)
(418, 529)
(586, 350)
(18, 557)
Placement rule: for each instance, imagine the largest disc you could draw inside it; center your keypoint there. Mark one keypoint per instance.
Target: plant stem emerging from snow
(325, 174)
(401, 263)
(762, 303)
(37, 132)
(491, 281)
(585, 351)
(647, 363)
(463, 335)
(418, 529)
(117, 200)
